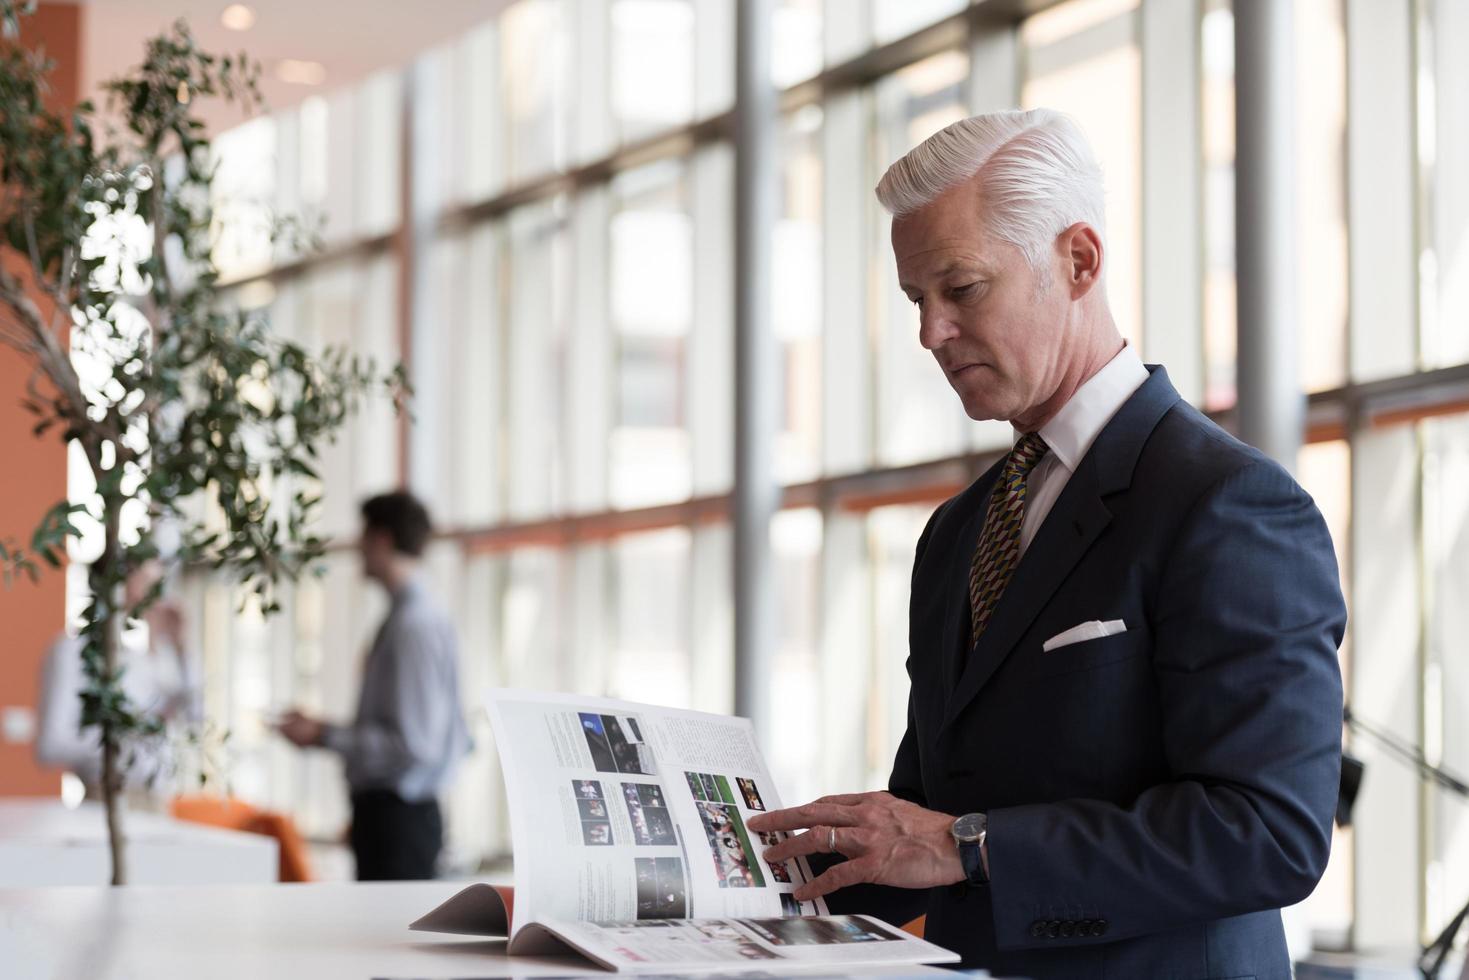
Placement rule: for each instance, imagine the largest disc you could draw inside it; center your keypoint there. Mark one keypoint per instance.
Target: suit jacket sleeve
(1247, 618)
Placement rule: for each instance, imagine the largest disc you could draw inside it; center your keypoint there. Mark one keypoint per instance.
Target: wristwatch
(969, 833)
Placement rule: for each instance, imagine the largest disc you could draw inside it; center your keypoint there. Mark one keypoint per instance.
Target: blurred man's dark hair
(403, 517)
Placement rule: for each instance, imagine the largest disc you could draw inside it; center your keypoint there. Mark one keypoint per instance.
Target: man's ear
(1081, 247)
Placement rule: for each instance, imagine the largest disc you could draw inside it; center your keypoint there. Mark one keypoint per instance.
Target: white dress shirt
(1071, 433)
(157, 681)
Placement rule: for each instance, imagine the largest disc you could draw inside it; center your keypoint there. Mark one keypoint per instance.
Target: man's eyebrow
(948, 268)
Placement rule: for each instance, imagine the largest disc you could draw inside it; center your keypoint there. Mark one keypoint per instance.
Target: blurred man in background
(410, 730)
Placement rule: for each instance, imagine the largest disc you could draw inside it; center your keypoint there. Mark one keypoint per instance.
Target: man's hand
(299, 729)
(887, 841)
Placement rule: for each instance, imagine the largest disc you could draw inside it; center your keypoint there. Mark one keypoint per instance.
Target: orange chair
(233, 814)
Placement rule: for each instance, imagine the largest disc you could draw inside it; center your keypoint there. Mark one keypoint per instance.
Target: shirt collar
(409, 591)
(1071, 433)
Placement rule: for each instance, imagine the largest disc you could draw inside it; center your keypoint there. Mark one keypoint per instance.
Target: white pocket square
(1092, 630)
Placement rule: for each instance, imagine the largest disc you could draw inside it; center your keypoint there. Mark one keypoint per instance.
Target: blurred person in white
(161, 678)
(410, 730)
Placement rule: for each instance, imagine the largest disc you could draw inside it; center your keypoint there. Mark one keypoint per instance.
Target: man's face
(996, 328)
(376, 548)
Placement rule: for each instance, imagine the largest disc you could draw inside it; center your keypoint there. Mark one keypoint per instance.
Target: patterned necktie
(999, 543)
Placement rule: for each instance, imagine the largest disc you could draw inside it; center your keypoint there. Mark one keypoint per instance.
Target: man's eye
(965, 290)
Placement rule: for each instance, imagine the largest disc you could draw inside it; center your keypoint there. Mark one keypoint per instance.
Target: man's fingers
(811, 842)
(840, 876)
(803, 817)
(819, 811)
(848, 799)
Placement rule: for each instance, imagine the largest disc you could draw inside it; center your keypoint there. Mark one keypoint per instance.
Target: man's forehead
(937, 254)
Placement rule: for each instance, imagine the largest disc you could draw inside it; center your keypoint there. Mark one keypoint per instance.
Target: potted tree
(106, 241)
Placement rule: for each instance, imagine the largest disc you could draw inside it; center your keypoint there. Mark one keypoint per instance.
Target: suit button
(1038, 929)
(1053, 928)
(1100, 929)
(1068, 929)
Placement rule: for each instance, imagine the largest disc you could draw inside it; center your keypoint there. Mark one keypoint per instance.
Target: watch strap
(971, 856)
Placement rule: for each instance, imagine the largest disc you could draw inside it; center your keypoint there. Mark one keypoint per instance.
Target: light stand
(1431, 961)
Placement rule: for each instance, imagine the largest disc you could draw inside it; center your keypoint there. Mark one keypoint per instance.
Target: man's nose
(935, 328)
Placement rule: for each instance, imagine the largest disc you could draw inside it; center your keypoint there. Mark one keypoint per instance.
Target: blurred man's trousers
(393, 839)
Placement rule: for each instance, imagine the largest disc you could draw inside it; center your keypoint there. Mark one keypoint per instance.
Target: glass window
(1094, 75)
(917, 415)
(477, 355)
(1067, 19)
(893, 534)
(329, 170)
(711, 625)
(1321, 225)
(892, 19)
(650, 587)
(1324, 469)
(533, 620)
(244, 197)
(537, 295)
(378, 153)
(795, 41)
(714, 56)
(535, 59)
(476, 821)
(373, 330)
(1321, 221)
(1444, 156)
(482, 95)
(709, 394)
(652, 65)
(1446, 678)
(1220, 313)
(651, 302)
(590, 344)
(1386, 682)
(796, 542)
(796, 288)
(327, 310)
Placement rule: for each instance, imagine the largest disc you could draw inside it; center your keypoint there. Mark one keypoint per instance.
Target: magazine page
(479, 910)
(628, 812)
(775, 944)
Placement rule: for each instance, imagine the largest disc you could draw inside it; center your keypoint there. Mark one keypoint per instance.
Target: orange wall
(32, 471)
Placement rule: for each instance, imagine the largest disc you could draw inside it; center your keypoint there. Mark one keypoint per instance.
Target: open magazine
(628, 824)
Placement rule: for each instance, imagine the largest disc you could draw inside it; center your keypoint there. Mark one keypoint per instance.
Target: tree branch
(35, 249)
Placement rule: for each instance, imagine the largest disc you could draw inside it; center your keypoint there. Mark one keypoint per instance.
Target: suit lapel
(1075, 521)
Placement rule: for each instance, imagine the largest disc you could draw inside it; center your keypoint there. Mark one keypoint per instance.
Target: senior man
(1125, 707)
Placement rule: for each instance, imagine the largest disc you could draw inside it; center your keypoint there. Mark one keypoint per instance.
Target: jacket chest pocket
(1089, 655)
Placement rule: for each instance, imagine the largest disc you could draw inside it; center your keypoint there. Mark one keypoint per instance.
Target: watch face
(970, 827)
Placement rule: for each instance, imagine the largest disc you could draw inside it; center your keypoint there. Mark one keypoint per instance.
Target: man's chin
(982, 409)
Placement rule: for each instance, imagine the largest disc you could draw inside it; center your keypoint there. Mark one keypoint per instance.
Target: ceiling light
(300, 72)
(238, 17)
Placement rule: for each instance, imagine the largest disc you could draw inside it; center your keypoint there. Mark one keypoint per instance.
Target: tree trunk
(112, 775)
(111, 779)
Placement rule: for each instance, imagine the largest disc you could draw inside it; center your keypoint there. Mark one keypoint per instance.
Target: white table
(347, 931)
(42, 842)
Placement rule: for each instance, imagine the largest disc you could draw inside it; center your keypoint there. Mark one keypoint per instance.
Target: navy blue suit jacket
(1155, 796)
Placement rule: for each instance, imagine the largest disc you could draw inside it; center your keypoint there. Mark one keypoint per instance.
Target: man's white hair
(1038, 171)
